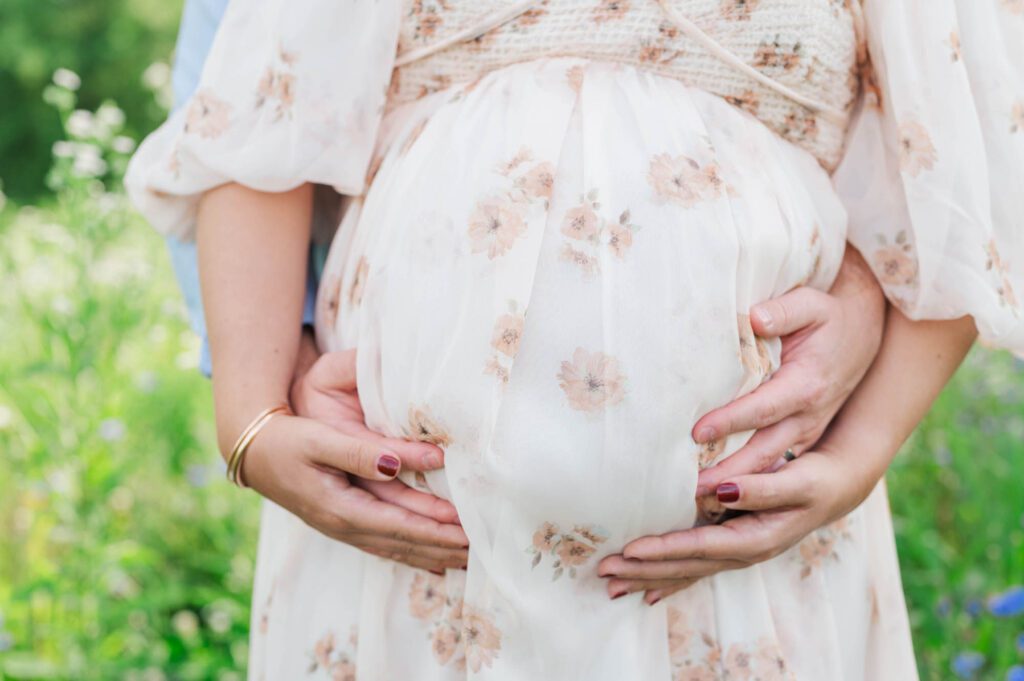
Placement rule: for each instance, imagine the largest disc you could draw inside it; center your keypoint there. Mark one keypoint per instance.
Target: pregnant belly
(550, 278)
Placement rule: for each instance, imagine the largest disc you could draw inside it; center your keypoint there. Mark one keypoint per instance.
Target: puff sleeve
(933, 173)
(290, 93)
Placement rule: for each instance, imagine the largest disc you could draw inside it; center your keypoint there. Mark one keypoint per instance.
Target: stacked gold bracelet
(245, 439)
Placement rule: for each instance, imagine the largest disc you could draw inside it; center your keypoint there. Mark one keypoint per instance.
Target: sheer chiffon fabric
(548, 274)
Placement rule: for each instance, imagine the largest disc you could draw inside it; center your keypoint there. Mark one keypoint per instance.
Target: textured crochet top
(791, 63)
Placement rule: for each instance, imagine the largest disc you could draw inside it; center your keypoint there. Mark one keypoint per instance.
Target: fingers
(790, 312)
(744, 538)
(794, 388)
(417, 555)
(758, 454)
(617, 588)
(398, 493)
(328, 447)
(791, 486)
(417, 456)
(621, 568)
(363, 513)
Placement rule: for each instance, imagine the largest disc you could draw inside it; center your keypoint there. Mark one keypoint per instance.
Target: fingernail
(655, 601)
(439, 573)
(765, 317)
(605, 573)
(728, 492)
(705, 434)
(388, 464)
(619, 595)
(432, 461)
(464, 567)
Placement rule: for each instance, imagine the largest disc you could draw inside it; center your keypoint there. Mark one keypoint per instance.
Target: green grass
(124, 554)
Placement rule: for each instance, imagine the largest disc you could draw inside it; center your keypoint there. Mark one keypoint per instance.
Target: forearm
(252, 250)
(915, 362)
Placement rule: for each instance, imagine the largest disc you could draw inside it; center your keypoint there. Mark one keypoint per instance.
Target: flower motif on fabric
(954, 46)
(277, 85)
(610, 10)
(505, 339)
(481, 637)
(569, 549)
(440, 609)
(738, 9)
(498, 221)
(424, 428)
(753, 350)
(696, 655)
(1017, 117)
(1000, 270)
(684, 181)
(586, 231)
(895, 264)
(917, 152)
(495, 225)
(427, 17)
(592, 381)
(358, 283)
(336, 663)
(820, 546)
(800, 124)
(775, 55)
(748, 100)
(207, 115)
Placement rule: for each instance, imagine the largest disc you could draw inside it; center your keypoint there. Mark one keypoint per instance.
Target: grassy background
(124, 555)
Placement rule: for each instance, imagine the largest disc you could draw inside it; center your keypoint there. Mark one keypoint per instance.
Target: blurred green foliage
(109, 43)
(124, 554)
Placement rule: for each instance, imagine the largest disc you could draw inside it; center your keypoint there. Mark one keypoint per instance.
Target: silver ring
(789, 455)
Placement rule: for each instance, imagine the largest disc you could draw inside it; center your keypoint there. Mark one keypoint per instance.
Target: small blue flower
(1015, 673)
(943, 607)
(1020, 642)
(973, 607)
(967, 664)
(1007, 604)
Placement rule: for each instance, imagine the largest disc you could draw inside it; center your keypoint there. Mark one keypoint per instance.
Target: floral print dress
(547, 271)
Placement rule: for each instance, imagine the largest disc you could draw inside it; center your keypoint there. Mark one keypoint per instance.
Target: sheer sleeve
(933, 174)
(290, 93)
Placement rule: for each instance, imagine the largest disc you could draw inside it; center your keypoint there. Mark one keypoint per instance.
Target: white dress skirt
(550, 277)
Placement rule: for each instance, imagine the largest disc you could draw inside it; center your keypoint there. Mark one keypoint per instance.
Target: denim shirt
(199, 23)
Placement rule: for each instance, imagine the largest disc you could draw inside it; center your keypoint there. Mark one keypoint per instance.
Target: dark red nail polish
(388, 464)
(439, 573)
(728, 492)
(655, 600)
(619, 595)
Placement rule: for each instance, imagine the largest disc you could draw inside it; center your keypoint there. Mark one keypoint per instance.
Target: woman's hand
(303, 465)
(828, 342)
(818, 488)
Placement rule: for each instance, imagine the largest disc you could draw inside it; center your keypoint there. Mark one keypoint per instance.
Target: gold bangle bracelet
(234, 471)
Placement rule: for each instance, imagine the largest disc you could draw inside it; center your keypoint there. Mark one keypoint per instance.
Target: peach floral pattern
(684, 181)
(820, 546)
(592, 381)
(1000, 269)
(358, 283)
(586, 230)
(917, 152)
(610, 10)
(738, 9)
(697, 655)
(894, 264)
(481, 637)
(498, 221)
(505, 340)
(424, 428)
(753, 349)
(570, 550)
(1017, 117)
(336, 663)
(277, 86)
(207, 115)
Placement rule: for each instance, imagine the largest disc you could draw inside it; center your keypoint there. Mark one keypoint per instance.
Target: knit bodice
(809, 47)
